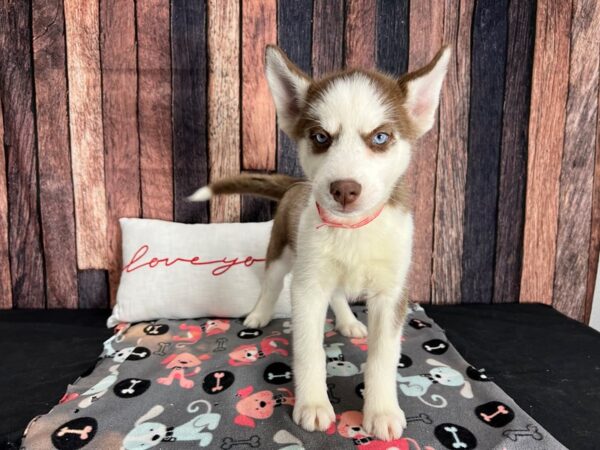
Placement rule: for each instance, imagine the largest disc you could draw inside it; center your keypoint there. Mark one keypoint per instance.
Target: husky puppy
(346, 231)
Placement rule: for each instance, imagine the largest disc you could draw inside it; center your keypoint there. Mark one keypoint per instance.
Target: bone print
(287, 327)
(130, 390)
(500, 410)
(244, 333)
(436, 347)
(83, 433)
(220, 345)
(142, 354)
(218, 376)
(457, 442)
(420, 418)
(286, 375)
(252, 441)
(163, 347)
(529, 431)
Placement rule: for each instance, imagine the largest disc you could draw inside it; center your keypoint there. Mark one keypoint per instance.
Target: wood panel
(452, 156)
(119, 111)
(426, 30)
(56, 185)
(392, 33)
(6, 301)
(360, 33)
(189, 68)
(577, 173)
(223, 103)
(546, 135)
(93, 289)
(594, 251)
(293, 20)
(488, 57)
(327, 37)
(259, 28)
(154, 108)
(85, 122)
(16, 97)
(513, 153)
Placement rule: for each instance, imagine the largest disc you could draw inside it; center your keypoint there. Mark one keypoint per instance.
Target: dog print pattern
(213, 383)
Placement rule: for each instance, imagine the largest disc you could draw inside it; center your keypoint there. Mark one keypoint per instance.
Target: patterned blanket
(172, 384)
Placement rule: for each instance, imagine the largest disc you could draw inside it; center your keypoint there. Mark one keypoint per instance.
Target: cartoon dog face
(147, 434)
(259, 405)
(342, 369)
(244, 354)
(350, 425)
(183, 360)
(213, 327)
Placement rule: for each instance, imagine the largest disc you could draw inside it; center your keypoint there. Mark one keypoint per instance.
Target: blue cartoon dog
(418, 385)
(150, 434)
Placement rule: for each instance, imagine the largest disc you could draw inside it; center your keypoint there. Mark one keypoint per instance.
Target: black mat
(548, 364)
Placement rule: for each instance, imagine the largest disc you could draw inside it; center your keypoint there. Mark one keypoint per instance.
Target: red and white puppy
(346, 232)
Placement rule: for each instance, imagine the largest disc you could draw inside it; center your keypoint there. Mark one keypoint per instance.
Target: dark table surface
(549, 364)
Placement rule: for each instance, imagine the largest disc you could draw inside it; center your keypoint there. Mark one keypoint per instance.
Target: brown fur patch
(287, 219)
(271, 186)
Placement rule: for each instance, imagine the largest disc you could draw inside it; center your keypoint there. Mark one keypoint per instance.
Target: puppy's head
(354, 129)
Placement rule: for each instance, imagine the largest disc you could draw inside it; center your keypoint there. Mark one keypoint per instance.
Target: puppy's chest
(362, 259)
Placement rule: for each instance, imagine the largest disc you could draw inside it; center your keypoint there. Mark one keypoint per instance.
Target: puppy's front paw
(353, 329)
(385, 424)
(257, 320)
(314, 416)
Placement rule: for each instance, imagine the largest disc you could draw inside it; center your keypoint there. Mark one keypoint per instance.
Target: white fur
(332, 264)
(201, 195)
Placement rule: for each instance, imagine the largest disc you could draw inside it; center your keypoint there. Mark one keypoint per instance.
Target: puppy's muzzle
(345, 192)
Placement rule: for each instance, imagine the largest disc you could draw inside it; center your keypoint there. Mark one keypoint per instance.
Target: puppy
(345, 232)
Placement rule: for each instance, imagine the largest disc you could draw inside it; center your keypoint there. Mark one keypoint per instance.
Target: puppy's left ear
(288, 85)
(422, 88)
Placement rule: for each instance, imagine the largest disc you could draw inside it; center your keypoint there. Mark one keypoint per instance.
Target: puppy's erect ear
(422, 90)
(288, 86)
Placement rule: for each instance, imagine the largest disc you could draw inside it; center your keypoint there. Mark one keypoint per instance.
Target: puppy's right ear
(288, 86)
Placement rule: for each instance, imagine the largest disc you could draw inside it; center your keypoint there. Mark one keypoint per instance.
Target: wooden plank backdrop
(112, 108)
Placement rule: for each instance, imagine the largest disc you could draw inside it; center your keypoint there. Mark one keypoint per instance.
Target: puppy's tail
(270, 186)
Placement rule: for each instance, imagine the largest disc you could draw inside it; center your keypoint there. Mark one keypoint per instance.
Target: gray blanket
(212, 383)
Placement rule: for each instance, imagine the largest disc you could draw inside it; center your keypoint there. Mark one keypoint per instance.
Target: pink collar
(326, 222)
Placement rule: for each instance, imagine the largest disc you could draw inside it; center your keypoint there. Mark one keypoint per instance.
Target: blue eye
(381, 138)
(320, 138)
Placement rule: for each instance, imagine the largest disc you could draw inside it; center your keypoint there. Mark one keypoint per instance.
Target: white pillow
(178, 271)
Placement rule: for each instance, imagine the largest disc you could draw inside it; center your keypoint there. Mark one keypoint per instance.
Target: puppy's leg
(312, 410)
(345, 321)
(382, 416)
(272, 285)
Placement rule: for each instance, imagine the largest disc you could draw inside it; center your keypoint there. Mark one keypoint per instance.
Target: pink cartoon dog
(250, 353)
(350, 426)
(259, 405)
(193, 333)
(217, 326)
(178, 363)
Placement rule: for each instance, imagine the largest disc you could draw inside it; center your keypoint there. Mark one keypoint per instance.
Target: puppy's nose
(345, 192)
